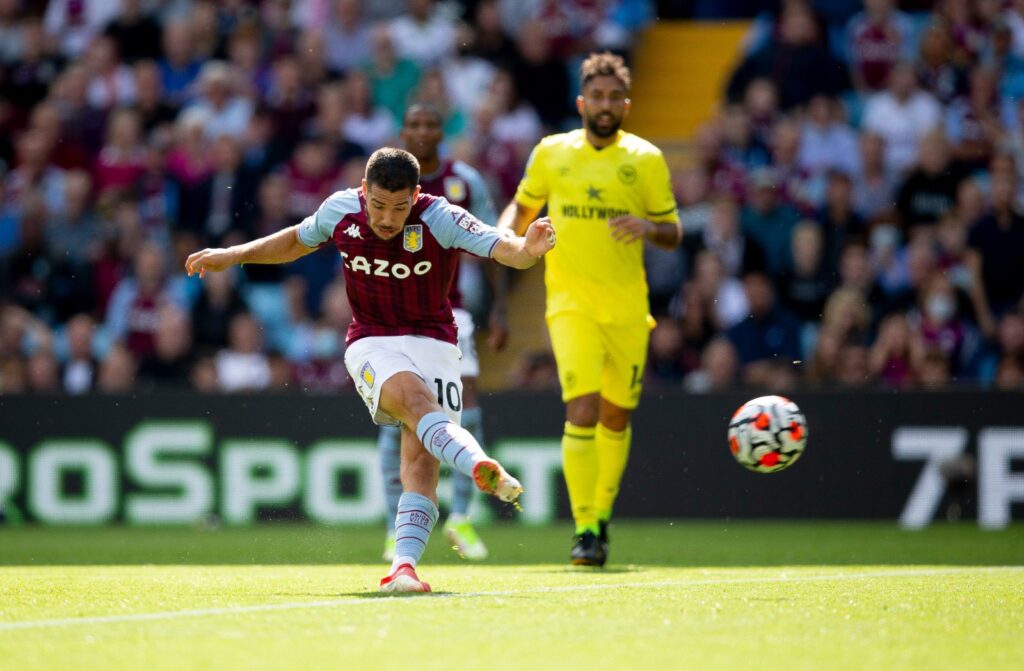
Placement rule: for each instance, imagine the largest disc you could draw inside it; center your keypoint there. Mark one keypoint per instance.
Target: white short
(467, 343)
(372, 361)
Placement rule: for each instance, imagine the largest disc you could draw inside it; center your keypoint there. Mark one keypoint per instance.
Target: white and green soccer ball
(767, 434)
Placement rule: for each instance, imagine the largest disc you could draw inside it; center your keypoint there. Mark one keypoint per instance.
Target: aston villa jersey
(399, 286)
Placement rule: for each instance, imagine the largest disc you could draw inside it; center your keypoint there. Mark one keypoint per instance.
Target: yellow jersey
(588, 271)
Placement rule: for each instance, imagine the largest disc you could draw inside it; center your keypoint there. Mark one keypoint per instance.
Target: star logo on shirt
(353, 232)
(594, 193)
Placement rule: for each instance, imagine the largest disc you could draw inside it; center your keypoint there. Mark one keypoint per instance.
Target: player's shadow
(596, 570)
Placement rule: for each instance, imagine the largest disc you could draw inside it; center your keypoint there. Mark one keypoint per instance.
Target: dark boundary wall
(680, 466)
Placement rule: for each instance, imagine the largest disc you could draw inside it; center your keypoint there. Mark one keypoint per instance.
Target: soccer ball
(767, 434)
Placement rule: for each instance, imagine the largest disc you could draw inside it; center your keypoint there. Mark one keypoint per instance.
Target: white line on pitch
(334, 603)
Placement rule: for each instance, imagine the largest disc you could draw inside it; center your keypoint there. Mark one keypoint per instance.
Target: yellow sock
(579, 464)
(612, 449)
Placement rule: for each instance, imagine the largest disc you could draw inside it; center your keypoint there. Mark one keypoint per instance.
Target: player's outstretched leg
(389, 446)
(458, 526)
(452, 445)
(415, 519)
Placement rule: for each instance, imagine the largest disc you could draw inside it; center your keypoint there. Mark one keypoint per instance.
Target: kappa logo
(367, 375)
(412, 237)
(353, 231)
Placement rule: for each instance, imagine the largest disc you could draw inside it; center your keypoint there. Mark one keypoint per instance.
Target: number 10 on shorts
(448, 395)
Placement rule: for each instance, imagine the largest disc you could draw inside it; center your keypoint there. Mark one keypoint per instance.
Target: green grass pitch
(682, 595)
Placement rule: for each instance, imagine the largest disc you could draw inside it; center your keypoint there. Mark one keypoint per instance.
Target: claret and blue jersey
(399, 286)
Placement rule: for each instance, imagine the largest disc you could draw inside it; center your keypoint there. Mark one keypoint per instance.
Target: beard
(593, 127)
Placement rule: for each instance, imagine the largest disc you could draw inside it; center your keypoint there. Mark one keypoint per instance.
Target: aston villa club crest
(367, 375)
(454, 189)
(412, 237)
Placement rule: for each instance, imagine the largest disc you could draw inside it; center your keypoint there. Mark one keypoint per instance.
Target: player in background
(460, 185)
(606, 191)
(399, 249)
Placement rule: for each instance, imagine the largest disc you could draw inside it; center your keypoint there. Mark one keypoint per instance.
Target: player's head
(422, 131)
(391, 187)
(604, 93)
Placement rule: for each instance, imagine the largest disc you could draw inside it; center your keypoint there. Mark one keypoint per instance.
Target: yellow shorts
(605, 358)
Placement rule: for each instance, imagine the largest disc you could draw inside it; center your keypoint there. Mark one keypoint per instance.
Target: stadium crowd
(851, 213)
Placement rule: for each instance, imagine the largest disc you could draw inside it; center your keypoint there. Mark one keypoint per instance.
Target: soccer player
(606, 190)
(399, 249)
(460, 185)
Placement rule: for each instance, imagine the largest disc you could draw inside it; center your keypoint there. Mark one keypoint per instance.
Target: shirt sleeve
(454, 227)
(659, 201)
(481, 204)
(534, 188)
(318, 227)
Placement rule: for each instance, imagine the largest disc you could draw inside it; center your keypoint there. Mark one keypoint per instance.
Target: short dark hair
(604, 64)
(423, 107)
(393, 169)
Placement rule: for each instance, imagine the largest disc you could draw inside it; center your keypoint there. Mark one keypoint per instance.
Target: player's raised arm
(522, 252)
(280, 247)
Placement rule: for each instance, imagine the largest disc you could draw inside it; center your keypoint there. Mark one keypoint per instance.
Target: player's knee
(583, 411)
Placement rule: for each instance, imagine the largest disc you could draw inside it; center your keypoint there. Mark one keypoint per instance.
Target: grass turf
(678, 595)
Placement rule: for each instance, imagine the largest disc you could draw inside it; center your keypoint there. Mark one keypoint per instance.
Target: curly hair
(604, 64)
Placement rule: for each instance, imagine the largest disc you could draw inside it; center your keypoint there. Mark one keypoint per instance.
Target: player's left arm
(660, 224)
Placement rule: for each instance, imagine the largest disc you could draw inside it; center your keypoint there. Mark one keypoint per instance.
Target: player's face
(421, 134)
(386, 211)
(603, 105)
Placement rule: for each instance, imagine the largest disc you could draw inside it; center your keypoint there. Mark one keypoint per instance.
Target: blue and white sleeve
(481, 204)
(453, 226)
(318, 227)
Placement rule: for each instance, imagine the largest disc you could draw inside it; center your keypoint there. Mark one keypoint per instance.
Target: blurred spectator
(27, 80)
(768, 221)
(804, 290)
(797, 187)
(73, 234)
(221, 110)
(718, 369)
(81, 369)
(425, 34)
(739, 253)
(224, 201)
(242, 366)
(855, 273)
(134, 31)
(288, 102)
(346, 36)
(1010, 374)
(761, 103)
(515, 120)
(942, 329)
(929, 192)
(826, 142)
(434, 92)
(331, 111)
(846, 315)
(540, 77)
(137, 300)
(367, 123)
(179, 67)
(171, 362)
(664, 361)
(852, 370)
(839, 222)
(122, 161)
(490, 41)
(35, 174)
(43, 373)
(534, 371)
(112, 83)
(312, 177)
(996, 247)
(117, 371)
(876, 40)
(894, 352)
(768, 335)
(215, 309)
(318, 348)
(874, 182)
(391, 79)
(722, 294)
(466, 76)
(152, 105)
(934, 370)
(936, 70)
(74, 23)
(796, 60)
(972, 122)
(11, 37)
(901, 116)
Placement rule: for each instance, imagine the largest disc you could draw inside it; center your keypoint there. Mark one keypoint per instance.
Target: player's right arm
(280, 247)
(530, 196)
